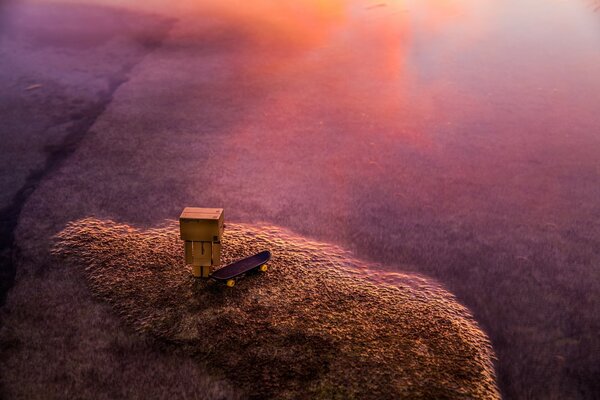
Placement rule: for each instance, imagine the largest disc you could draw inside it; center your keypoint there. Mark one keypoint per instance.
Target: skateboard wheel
(230, 282)
(263, 268)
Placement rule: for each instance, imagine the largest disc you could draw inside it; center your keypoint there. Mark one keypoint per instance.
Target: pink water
(459, 139)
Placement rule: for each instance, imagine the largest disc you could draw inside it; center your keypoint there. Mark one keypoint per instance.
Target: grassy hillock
(318, 324)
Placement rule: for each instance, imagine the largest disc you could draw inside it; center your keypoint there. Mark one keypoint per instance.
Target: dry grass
(315, 326)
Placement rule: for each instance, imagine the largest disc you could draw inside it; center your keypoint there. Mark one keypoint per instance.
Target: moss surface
(318, 324)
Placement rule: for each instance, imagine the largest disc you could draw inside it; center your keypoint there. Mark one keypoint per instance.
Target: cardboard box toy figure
(202, 230)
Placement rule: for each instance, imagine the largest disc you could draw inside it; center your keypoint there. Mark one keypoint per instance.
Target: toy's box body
(202, 230)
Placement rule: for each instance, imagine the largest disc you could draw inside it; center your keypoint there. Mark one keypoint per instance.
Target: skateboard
(229, 272)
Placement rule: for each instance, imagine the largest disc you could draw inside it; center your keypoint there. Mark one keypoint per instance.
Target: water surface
(454, 138)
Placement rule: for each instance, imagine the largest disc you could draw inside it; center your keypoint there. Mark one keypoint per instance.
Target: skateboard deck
(230, 272)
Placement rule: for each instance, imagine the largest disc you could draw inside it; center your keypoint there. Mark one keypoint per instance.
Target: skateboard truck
(202, 230)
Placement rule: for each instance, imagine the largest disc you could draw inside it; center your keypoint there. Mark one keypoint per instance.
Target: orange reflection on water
(332, 111)
(297, 23)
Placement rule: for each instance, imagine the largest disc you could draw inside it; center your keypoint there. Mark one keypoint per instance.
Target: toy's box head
(201, 224)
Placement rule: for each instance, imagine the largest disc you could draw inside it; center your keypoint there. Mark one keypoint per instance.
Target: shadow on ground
(315, 326)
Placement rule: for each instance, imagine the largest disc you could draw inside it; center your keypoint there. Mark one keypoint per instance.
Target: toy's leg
(197, 271)
(199, 255)
(216, 253)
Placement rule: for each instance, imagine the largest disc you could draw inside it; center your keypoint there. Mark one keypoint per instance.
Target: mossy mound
(317, 325)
